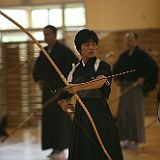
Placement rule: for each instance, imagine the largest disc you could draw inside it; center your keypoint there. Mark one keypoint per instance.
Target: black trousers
(3, 125)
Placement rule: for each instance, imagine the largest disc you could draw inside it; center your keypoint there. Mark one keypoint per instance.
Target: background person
(131, 110)
(56, 125)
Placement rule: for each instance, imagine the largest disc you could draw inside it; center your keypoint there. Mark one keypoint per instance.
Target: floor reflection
(25, 144)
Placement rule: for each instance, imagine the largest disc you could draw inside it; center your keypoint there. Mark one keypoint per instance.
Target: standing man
(131, 105)
(56, 125)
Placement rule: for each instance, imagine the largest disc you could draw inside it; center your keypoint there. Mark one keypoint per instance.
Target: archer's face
(88, 50)
(49, 36)
(130, 41)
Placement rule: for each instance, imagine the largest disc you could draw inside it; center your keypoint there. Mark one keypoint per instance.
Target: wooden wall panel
(22, 96)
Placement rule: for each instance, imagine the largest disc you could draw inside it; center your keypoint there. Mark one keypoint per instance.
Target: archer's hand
(103, 79)
(71, 88)
(140, 80)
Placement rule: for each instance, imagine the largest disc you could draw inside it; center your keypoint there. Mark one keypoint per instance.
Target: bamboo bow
(64, 80)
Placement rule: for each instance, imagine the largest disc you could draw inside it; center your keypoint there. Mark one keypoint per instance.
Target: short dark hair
(83, 36)
(54, 29)
(132, 34)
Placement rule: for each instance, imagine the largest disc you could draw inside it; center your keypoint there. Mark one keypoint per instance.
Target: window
(34, 19)
(19, 16)
(14, 37)
(39, 18)
(74, 10)
(55, 17)
(50, 16)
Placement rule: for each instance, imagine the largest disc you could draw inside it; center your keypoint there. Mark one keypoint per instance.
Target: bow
(64, 80)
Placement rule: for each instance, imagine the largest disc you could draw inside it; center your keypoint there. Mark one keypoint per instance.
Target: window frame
(62, 28)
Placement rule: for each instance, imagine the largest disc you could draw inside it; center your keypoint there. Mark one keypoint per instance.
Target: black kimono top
(87, 72)
(43, 70)
(142, 63)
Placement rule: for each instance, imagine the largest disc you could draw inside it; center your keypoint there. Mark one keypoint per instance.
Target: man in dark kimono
(56, 124)
(131, 111)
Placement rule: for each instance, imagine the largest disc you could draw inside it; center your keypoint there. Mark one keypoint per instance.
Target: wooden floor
(25, 144)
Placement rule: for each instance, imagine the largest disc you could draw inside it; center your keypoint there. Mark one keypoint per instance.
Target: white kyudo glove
(103, 79)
